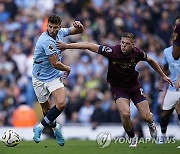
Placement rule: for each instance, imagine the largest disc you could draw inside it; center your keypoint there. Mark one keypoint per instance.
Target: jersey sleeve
(65, 31)
(142, 54)
(49, 47)
(107, 51)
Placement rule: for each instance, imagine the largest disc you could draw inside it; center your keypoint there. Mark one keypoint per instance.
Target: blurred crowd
(89, 100)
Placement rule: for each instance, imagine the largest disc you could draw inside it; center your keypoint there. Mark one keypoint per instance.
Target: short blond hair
(129, 35)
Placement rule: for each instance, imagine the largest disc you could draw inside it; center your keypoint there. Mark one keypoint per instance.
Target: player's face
(177, 21)
(53, 29)
(126, 45)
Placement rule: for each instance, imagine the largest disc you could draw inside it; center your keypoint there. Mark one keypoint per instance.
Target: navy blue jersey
(121, 69)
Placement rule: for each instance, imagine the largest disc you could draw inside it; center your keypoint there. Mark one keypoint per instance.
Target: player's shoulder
(116, 47)
(137, 50)
(45, 38)
(168, 50)
(64, 31)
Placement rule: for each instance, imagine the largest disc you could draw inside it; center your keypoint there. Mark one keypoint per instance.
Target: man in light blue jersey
(48, 72)
(172, 96)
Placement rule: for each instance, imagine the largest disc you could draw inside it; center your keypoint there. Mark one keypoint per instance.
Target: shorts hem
(121, 97)
(140, 101)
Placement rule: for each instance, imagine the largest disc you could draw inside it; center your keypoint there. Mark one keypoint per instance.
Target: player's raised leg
(147, 116)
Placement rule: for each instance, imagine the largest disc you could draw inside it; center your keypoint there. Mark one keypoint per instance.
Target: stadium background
(89, 101)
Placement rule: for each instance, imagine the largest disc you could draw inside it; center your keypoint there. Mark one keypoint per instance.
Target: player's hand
(66, 73)
(78, 25)
(177, 84)
(167, 79)
(61, 45)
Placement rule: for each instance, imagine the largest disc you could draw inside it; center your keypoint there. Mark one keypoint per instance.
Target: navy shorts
(136, 96)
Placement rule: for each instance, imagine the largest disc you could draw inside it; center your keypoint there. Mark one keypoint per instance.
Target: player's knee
(61, 106)
(147, 117)
(125, 115)
(45, 110)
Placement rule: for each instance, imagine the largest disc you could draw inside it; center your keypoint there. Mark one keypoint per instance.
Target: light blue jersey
(45, 47)
(173, 65)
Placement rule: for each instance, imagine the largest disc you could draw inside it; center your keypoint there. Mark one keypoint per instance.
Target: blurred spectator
(4, 15)
(113, 115)
(98, 115)
(86, 112)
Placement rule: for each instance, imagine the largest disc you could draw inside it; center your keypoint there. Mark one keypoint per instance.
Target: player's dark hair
(55, 19)
(129, 35)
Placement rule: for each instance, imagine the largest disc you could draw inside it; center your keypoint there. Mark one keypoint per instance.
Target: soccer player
(172, 95)
(48, 73)
(123, 79)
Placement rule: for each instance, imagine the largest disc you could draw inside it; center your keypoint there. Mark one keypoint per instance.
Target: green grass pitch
(87, 147)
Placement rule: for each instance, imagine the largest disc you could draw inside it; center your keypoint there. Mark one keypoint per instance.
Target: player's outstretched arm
(81, 45)
(76, 28)
(158, 69)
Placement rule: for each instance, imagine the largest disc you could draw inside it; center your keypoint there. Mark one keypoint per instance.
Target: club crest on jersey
(106, 49)
(51, 47)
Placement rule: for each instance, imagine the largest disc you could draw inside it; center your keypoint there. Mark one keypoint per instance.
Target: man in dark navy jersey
(123, 79)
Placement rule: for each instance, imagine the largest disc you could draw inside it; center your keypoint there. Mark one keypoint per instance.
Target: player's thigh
(59, 96)
(171, 99)
(58, 91)
(143, 108)
(41, 91)
(123, 105)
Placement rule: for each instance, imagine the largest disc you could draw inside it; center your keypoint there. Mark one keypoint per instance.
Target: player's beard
(53, 35)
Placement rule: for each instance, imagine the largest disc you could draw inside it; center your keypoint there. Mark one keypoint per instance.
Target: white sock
(41, 126)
